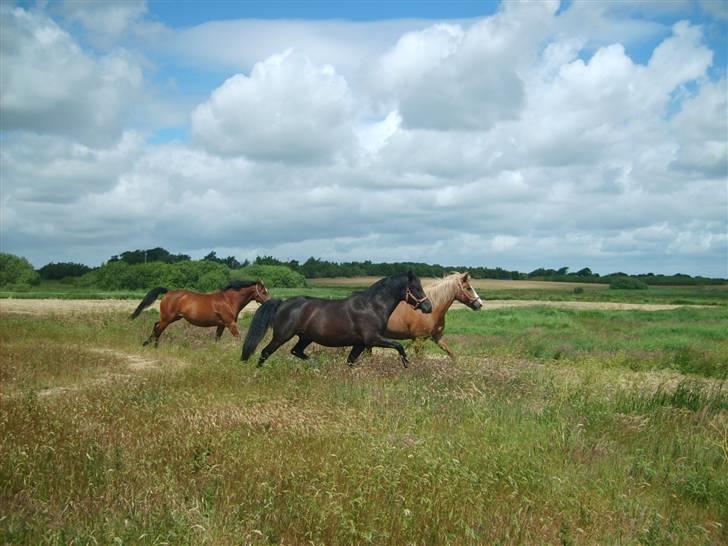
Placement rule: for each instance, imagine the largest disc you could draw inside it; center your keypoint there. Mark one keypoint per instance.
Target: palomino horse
(406, 323)
(357, 321)
(219, 309)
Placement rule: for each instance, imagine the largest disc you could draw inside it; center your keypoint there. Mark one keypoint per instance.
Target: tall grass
(102, 441)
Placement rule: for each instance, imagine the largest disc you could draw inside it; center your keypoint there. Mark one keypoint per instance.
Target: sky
(516, 134)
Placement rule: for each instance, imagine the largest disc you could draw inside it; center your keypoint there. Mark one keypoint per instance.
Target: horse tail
(148, 300)
(259, 326)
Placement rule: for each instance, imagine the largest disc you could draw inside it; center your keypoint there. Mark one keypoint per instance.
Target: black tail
(261, 320)
(148, 300)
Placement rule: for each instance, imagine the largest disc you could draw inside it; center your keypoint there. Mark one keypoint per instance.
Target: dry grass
(186, 445)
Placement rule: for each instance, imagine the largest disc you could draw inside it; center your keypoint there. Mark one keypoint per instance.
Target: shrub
(627, 283)
(193, 275)
(62, 270)
(578, 290)
(17, 272)
(274, 276)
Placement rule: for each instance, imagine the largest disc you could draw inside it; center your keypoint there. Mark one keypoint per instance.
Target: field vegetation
(554, 426)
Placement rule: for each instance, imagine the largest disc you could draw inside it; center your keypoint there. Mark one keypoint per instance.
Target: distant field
(485, 284)
(488, 289)
(554, 426)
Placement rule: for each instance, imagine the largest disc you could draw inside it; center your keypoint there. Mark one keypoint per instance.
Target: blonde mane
(443, 290)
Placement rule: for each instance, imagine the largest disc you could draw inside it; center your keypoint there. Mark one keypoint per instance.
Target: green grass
(688, 340)
(103, 441)
(677, 295)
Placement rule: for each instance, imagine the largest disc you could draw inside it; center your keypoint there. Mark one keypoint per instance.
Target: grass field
(488, 289)
(554, 426)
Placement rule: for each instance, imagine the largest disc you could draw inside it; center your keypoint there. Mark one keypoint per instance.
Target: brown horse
(219, 309)
(407, 323)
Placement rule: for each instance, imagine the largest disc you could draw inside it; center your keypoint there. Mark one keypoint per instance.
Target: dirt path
(59, 306)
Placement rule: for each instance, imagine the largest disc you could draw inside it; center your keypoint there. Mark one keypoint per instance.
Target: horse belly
(406, 323)
(331, 327)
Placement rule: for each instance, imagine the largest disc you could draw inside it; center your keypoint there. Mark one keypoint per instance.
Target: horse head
(414, 295)
(466, 293)
(261, 294)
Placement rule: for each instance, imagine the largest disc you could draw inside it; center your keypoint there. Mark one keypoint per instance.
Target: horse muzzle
(425, 306)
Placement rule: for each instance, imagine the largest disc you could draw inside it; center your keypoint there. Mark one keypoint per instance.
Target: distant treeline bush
(143, 269)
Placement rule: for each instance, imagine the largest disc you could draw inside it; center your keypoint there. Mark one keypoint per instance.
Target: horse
(406, 323)
(358, 321)
(219, 308)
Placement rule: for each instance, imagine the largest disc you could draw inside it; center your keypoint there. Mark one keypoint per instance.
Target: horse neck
(239, 298)
(441, 297)
(390, 294)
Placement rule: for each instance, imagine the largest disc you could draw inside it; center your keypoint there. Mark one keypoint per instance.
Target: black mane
(237, 285)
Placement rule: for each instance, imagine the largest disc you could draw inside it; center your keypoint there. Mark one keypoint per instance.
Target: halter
(257, 291)
(471, 300)
(409, 297)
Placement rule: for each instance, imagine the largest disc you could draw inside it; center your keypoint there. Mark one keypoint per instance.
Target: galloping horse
(219, 309)
(357, 321)
(406, 323)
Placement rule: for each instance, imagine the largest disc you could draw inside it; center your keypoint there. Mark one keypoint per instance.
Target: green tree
(16, 272)
(62, 270)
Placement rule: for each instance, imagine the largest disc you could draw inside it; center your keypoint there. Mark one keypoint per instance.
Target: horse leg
(160, 327)
(437, 338)
(356, 350)
(445, 347)
(418, 346)
(218, 332)
(384, 342)
(298, 349)
(152, 336)
(227, 318)
(233, 329)
(272, 347)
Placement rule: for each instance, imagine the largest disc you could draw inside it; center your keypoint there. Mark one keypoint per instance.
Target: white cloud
(520, 140)
(288, 109)
(49, 85)
(105, 22)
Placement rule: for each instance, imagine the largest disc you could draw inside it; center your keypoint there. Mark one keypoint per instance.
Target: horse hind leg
(272, 347)
(218, 332)
(298, 349)
(159, 327)
(153, 336)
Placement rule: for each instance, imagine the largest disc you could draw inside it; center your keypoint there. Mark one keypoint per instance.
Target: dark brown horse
(357, 321)
(219, 309)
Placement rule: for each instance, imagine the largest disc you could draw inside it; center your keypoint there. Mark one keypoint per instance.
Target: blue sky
(514, 134)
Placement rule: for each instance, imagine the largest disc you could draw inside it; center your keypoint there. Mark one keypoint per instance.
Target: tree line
(137, 269)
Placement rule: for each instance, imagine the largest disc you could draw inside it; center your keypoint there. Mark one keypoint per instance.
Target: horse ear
(410, 275)
(466, 277)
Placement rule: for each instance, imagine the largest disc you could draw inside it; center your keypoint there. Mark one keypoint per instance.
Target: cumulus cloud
(447, 77)
(533, 137)
(105, 22)
(287, 109)
(49, 85)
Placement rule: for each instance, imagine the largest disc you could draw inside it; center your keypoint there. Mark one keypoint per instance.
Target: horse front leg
(218, 332)
(356, 350)
(384, 342)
